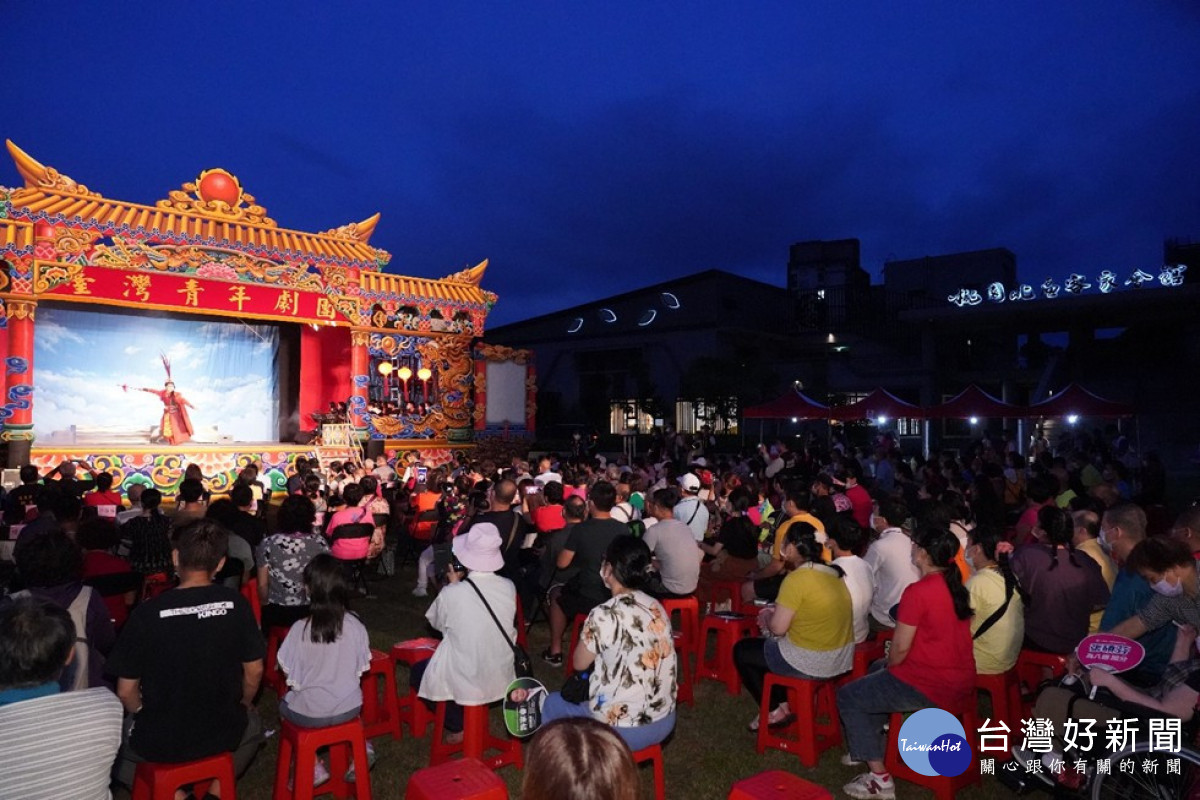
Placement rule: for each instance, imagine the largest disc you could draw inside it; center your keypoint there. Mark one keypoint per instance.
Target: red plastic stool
(1032, 668)
(687, 640)
(865, 653)
(477, 739)
(380, 677)
(344, 741)
(654, 755)
(729, 630)
(944, 788)
(250, 592)
(410, 708)
(576, 627)
(807, 700)
(1005, 691)
(464, 779)
(522, 634)
(160, 781)
(273, 677)
(716, 591)
(777, 785)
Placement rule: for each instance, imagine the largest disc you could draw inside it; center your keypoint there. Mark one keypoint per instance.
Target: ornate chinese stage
(208, 258)
(161, 465)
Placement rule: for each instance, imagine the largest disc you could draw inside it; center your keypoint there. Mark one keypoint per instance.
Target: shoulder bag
(522, 664)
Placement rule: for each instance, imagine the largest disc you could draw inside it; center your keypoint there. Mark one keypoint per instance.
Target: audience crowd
(129, 630)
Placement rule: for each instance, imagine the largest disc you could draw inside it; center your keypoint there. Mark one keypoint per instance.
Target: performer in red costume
(176, 426)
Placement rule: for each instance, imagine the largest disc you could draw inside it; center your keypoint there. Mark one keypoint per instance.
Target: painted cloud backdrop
(82, 359)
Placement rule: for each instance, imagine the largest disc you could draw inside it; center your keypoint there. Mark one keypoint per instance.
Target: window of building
(629, 415)
(692, 415)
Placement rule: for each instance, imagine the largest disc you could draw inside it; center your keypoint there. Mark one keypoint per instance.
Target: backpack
(78, 612)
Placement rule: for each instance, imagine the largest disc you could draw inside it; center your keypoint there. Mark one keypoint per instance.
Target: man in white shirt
(624, 511)
(691, 510)
(546, 472)
(845, 539)
(890, 559)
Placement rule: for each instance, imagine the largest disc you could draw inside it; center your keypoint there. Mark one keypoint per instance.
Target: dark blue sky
(588, 151)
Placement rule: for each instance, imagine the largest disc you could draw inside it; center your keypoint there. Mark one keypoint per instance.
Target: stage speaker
(374, 448)
(305, 437)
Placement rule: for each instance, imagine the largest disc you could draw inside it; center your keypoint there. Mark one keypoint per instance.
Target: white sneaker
(849, 760)
(868, 786)
(320, 773)
(420, 591)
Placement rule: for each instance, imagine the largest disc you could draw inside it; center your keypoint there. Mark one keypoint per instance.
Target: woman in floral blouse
(281, 560)
(626, 644)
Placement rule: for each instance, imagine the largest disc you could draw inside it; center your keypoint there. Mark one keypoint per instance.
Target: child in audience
(324, 655)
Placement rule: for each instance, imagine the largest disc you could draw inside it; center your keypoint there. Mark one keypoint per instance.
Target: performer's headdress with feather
(166, 365)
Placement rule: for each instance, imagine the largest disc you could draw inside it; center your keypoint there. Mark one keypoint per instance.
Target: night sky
(591, 150)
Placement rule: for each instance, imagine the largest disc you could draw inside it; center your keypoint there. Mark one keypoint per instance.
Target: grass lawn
(710, 749)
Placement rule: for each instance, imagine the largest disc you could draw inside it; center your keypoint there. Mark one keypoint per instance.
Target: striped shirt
(60, 746)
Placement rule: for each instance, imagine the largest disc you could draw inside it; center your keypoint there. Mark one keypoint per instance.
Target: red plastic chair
(687, 640)
(1004, 689)
(160, 781)
(1033, 667)
(477, 740)
(273, 677)
(808, 700)
(463, 779)
(717, 591)
(250, 592)
(380, 678)
(412, 711)
(654, 755)
(729, 630)
(943, 788)
(777, 785)
(865, 654)
(345, 742)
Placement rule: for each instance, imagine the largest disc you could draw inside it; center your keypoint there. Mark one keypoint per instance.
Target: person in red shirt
(549, 517)
(110, 575)
(859, 497)
(931, 661)
(104, 497)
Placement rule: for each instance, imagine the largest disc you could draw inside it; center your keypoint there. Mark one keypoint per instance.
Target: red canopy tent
(794, 404)
(974, 402)
(1076, 400)
(879, 403)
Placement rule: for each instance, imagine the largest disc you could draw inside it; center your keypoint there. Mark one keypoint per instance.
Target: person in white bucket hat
(474, 664)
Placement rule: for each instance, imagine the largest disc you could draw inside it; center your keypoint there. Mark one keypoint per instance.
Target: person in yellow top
(992, 585)
(811, 625)
(765, 581)
(1087, 541)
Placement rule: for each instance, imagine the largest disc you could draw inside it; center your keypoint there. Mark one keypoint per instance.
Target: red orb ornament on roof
(218, 184)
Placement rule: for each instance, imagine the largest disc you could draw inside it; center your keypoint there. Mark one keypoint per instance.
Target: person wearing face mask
(888, 557)
(1064, 587)
(998, 627)
(931, 662)
(1087, 541)
(1122, 528)
(626, 644)
(1169, 568)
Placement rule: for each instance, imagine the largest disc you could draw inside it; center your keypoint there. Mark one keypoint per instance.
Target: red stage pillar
(18, 381)
(360, 379)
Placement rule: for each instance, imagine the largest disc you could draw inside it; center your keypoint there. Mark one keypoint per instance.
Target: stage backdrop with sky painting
(226, 370)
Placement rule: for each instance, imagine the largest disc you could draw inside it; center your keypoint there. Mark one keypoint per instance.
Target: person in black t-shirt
(585, 548)
(188, 664)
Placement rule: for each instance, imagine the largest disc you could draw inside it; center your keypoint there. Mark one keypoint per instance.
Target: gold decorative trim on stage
(38, 176)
